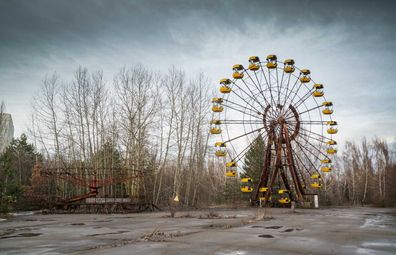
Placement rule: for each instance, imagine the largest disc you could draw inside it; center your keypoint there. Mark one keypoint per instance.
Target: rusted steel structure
(281, 105)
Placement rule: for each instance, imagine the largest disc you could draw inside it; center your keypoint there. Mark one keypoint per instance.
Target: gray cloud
(349, 45)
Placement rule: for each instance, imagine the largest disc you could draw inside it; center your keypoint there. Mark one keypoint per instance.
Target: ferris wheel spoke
(241, 121)
(302, 147)
(240, 136)
(253, 95)
(287, 88)
(288, 93)
(314, 133)
(247, 94)
(241, 111)
(244, 151)
(301, 164)
(277, 84)
(267, 83)
(307, 157)
(313, 146)
(311, 109)
(247, 102)
(281, 85)
(257, 87)
(312, 122)
(304, 98)
(243, 107)
(311, 137)
(296, 93)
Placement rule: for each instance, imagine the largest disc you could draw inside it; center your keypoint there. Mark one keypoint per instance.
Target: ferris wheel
(282, 105)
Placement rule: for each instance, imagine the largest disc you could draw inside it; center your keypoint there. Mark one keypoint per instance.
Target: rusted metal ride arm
(266, 169)
(278, 165)
(292, 167)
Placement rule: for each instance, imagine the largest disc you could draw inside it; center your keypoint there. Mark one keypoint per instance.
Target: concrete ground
(323, 231)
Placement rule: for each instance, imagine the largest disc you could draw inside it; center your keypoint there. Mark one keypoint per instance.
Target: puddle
(288, 230)
(274, 227)
(379, 221)
(266, 236)
(270, 227)
(78, 224)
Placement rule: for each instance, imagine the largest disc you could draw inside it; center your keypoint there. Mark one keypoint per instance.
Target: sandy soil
(323, 231)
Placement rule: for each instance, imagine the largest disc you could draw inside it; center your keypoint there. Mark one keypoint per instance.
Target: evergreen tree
(16, 165)
(254, 160)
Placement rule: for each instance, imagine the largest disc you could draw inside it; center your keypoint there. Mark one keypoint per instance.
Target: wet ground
(323, 231)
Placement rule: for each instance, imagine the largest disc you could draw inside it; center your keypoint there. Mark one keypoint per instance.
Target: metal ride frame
(90, 180)
(285, 112)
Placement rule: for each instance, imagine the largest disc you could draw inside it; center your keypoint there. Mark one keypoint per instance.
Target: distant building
(6, 131)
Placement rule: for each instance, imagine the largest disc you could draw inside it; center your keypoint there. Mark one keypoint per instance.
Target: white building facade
(6, 131)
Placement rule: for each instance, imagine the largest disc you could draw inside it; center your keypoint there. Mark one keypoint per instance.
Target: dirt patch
(266, 236)
(161, 236)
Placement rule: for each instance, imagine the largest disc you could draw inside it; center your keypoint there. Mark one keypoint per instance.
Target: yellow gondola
(284, 200)
(217, 108)
(231, 169)
(263, 189)
(263, 198)
(246, 180)
(328, 108)
(220, 153)
(215, 122)
(225, 81)
(326, 160)
(246, 189)
(315, 176)
(305, 76)
(326, 169)
(289, 66)
(220, 144)
(331, 142)
(217, 100)
(271, 61)
(215, 131)
(331, 151)
(316, 185)
(318, 92)
(332, 127)
(231, 173)
(231, 164)
(237, 75)
(225, 89)
(283, 191)
(238, 71)
(254, 63)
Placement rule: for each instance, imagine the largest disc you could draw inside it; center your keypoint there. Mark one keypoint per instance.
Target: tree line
(157, 124)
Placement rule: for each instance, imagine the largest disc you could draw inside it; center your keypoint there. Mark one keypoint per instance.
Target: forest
(155, 126)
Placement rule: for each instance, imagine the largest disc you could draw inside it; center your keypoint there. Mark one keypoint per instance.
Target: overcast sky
(349, 47)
